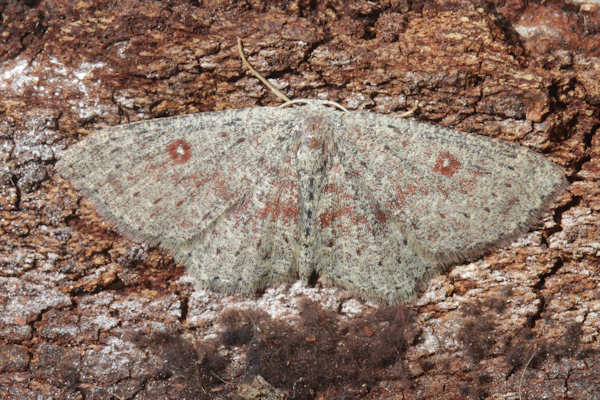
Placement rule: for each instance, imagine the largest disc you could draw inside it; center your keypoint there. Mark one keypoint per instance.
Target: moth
(250, 198)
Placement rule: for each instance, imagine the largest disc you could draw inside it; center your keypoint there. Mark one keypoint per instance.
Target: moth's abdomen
(312, 161)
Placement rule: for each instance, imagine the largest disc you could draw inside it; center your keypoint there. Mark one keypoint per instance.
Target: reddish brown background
(85, 313)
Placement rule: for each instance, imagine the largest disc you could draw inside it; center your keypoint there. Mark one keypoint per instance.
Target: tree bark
(87, 313)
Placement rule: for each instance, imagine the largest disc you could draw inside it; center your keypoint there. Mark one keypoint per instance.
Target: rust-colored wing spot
(446, 164)
(380, 216)
(180, 151)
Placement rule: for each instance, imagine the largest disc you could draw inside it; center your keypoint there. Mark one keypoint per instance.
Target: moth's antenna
(265, 82)
(308, 101)
(277, 92)
(409, 112)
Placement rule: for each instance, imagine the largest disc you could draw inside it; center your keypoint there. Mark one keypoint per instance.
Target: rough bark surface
(88, 314)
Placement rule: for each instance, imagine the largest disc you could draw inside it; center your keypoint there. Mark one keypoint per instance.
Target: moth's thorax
(314, 142)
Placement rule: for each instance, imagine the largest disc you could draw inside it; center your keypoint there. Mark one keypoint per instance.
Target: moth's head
(315, 132)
